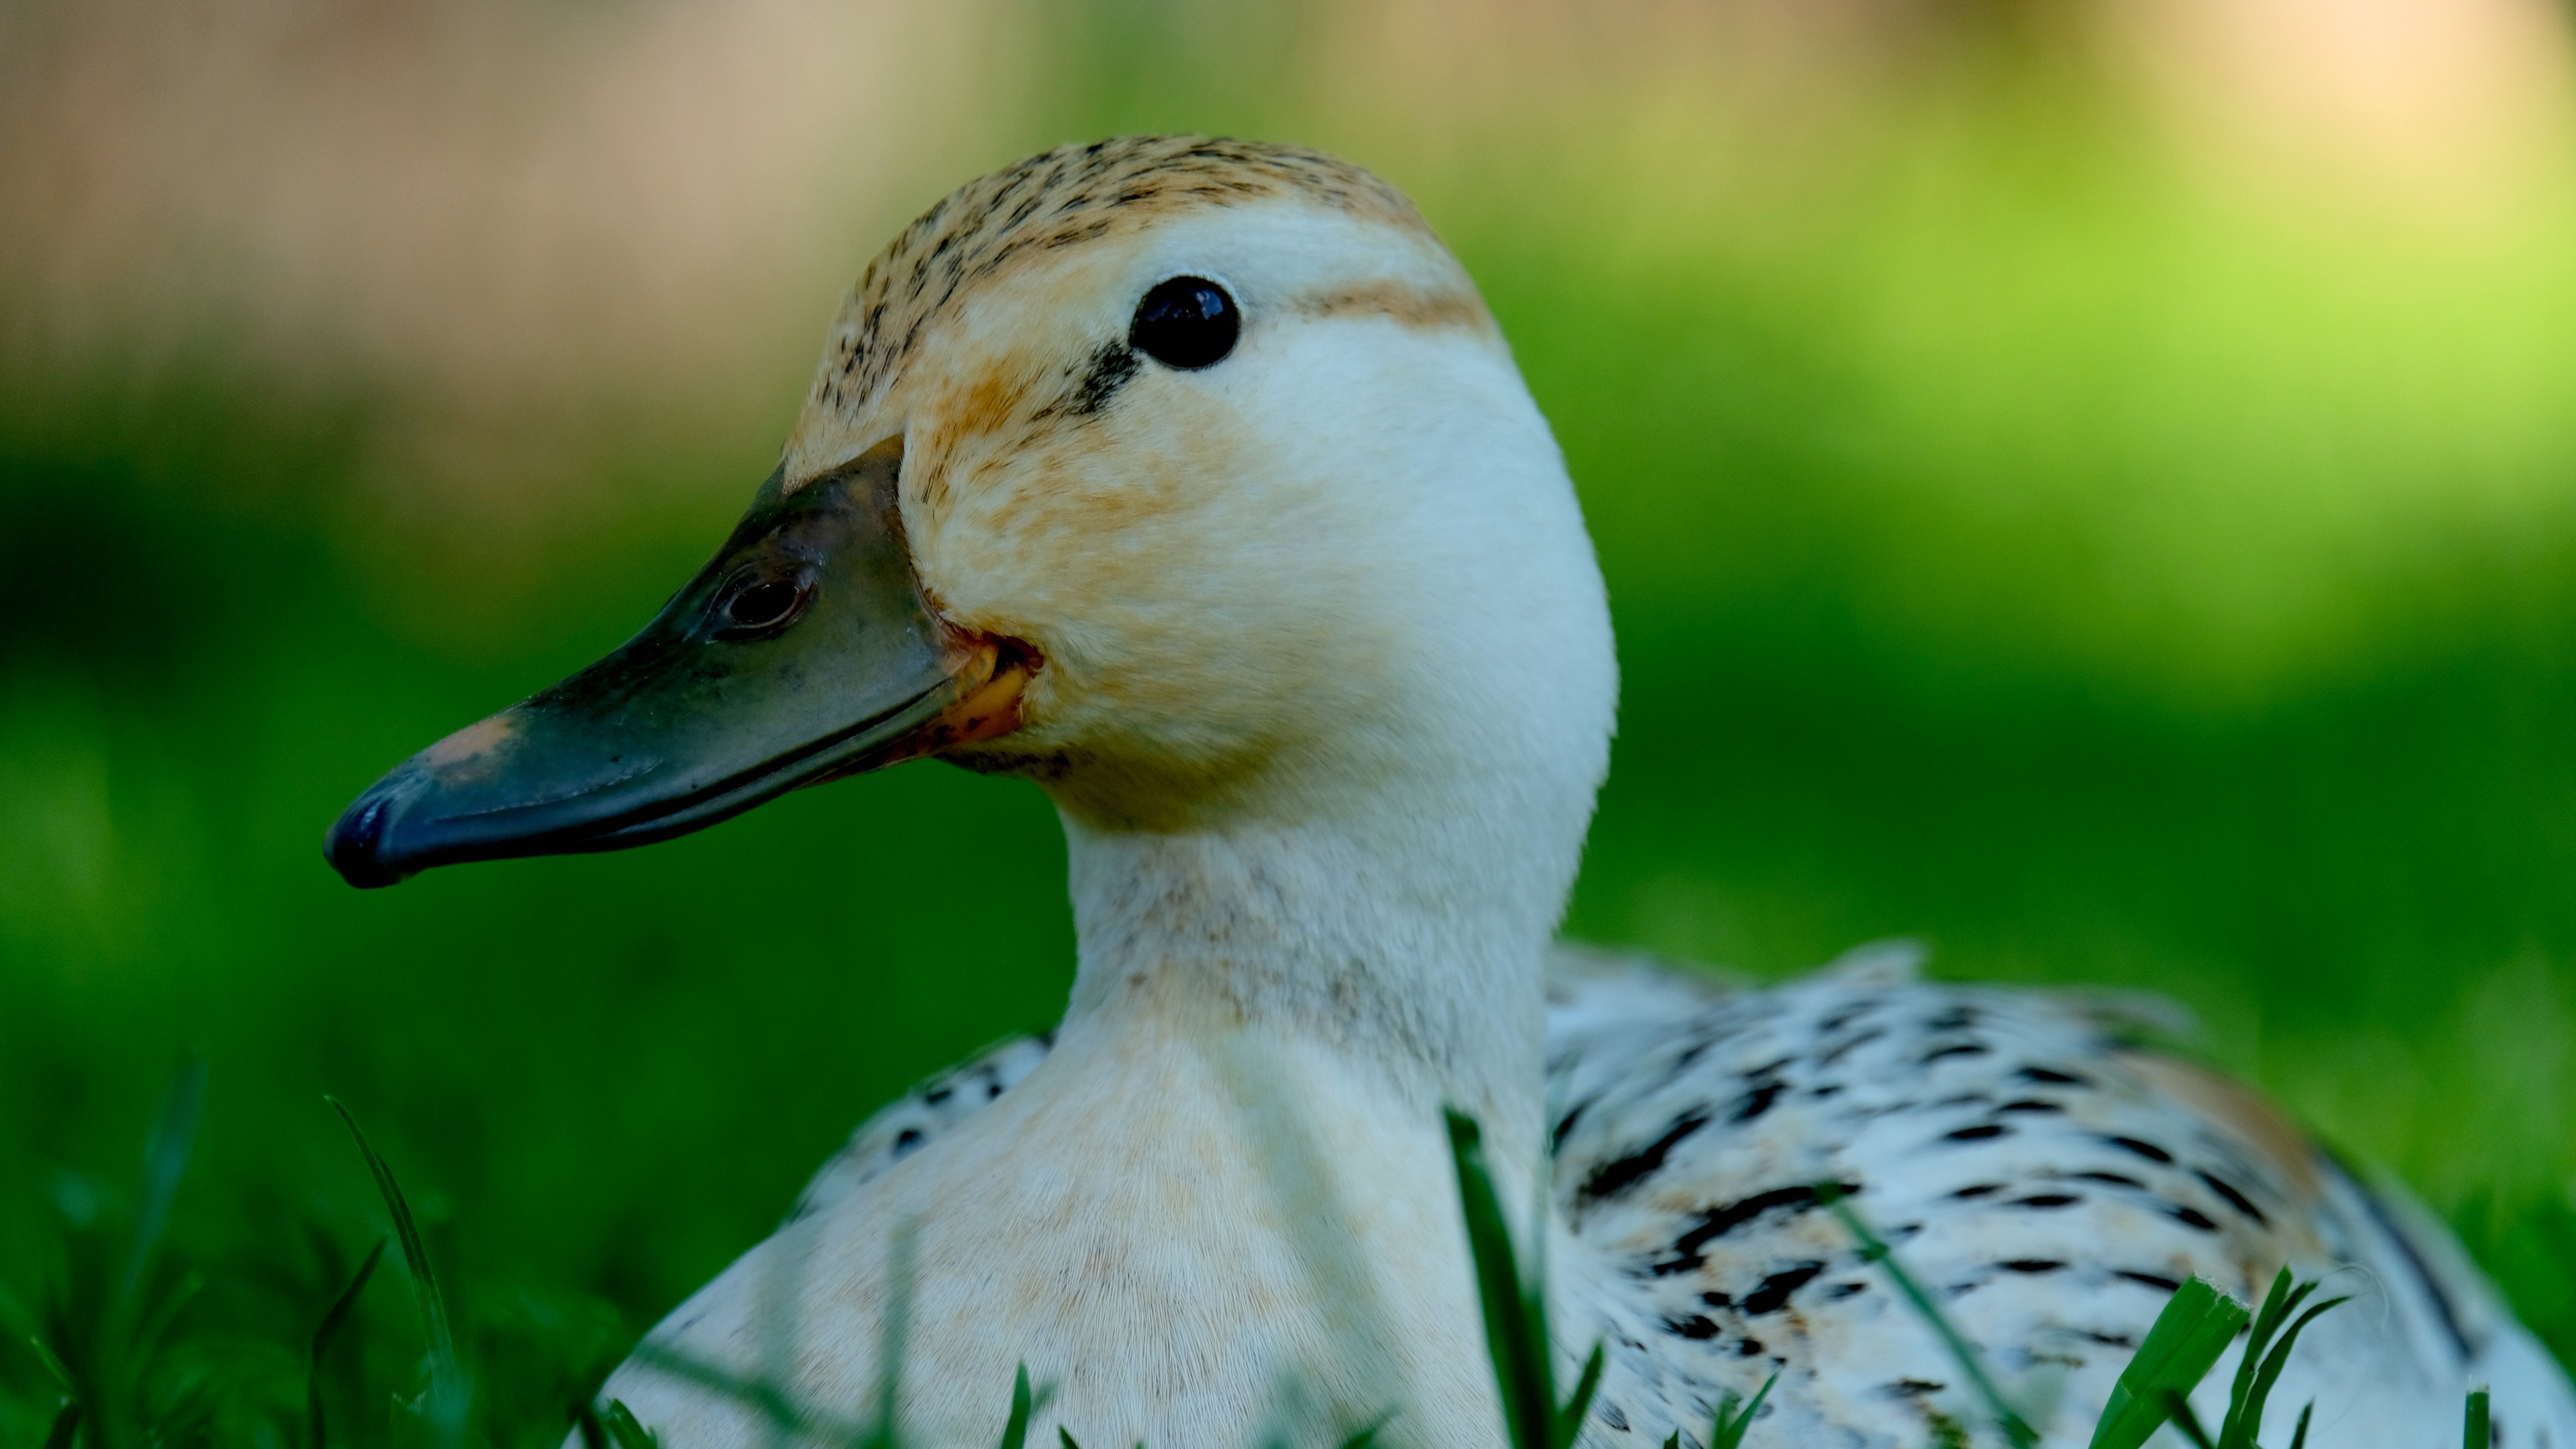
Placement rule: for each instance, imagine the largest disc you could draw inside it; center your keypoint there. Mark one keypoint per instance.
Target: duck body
(1192, 481)
(2049, 1182)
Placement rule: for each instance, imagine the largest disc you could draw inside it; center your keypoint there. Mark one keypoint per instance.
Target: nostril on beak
(352, 845)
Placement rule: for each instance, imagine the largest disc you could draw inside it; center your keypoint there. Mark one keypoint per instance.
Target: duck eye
(1187, 322)
(763, 608)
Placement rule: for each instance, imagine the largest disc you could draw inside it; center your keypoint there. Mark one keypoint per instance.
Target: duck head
(1189, 478)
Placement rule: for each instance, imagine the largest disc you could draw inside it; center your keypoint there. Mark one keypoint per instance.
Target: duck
(1193, 481)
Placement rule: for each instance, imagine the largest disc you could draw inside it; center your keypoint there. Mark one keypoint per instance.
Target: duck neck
(1405, 953)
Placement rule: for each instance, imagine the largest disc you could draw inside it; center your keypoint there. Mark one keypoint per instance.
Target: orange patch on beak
(473, 740)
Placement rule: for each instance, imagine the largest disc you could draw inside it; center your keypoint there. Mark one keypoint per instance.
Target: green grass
(2011, 547)
(122, 1378)
(448, 1396)
(1512, 1289)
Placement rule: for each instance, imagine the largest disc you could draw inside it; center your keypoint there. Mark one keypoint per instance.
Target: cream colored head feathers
(1337, 579)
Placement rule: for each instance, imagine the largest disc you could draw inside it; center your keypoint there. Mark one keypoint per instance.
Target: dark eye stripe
(1110, 369)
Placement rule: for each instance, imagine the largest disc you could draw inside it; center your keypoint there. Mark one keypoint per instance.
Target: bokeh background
(2090, 484)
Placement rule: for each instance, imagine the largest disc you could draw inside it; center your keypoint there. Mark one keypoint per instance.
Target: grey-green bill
(804, 651)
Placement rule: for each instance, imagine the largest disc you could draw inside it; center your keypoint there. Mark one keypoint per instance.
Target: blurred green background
(2091, 486)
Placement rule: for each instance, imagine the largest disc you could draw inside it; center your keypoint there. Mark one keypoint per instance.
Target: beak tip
(355, 846)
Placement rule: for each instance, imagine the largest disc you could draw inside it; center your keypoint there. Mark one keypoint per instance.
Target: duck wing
(2045, 1179)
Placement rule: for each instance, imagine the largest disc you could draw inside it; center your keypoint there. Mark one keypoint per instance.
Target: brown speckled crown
(1066, 196)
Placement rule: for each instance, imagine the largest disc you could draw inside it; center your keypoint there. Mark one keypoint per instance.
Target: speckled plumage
(2049, 1183)
(2037, 1171)
(1069, 196)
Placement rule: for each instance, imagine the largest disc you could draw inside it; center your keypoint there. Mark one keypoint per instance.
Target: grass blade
(2194, 1328)
(1515, 1311)
(627, 1430)
(1569, 1419)
(1015, 1430)
(1876, 1250)
(53, 1364)
(146, 1337)
(2187, 1423)
(896, 1327)
(165, 1161)
(585, 1422)
(323, 1333)
(1729, 1431)
(446, 1375)
(1520, 1355)
(66, 1425)
(2250, 1420)
(782, 1409)
(1367, 1438)
(106, 1367)
(2475, 1432)
(1065, 1436)
(2267, 1319)
(2299, 1440)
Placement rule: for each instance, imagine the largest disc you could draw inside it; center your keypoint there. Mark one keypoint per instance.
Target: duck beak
(804, 652)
